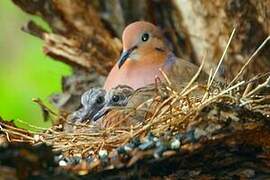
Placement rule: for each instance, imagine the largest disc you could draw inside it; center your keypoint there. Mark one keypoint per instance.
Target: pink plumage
(144, 53)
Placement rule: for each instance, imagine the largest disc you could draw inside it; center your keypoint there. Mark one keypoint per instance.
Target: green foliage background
(25, 72)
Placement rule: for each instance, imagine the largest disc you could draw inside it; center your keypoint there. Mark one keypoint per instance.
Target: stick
(223, 55)
(249, 60)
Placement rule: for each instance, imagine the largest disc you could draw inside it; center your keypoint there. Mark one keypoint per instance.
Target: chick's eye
(100, 100)
(145, 36)
(115, 98)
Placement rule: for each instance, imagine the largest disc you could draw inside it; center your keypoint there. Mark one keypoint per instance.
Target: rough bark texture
(211, 22)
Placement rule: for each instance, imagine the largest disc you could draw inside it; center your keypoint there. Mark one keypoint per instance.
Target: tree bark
(210, 24)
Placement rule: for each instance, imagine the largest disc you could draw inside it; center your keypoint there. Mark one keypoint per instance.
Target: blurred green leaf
(25, 72)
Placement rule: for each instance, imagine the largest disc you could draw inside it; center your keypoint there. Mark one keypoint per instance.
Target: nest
(176, 120)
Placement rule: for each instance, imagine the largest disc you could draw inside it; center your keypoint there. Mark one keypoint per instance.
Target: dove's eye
(145, 37)
(100, 100)
(115, 98)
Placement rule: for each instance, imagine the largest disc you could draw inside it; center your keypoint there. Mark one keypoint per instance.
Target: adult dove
(144, 53)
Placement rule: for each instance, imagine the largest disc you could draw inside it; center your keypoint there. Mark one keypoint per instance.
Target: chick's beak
(100, 113)
(124, 56)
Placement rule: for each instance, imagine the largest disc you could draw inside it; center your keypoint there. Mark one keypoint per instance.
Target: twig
(208, 85)
(259, 87)
(223, 92)
(223, 55)
(249, 60)
(17, 133)
(43, 106)
(32, 126)
(165, 76)
(195, 76)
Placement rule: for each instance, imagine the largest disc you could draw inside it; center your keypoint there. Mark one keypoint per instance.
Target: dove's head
(141, 38)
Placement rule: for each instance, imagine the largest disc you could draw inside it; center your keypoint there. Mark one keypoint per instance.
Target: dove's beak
(124, 56)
